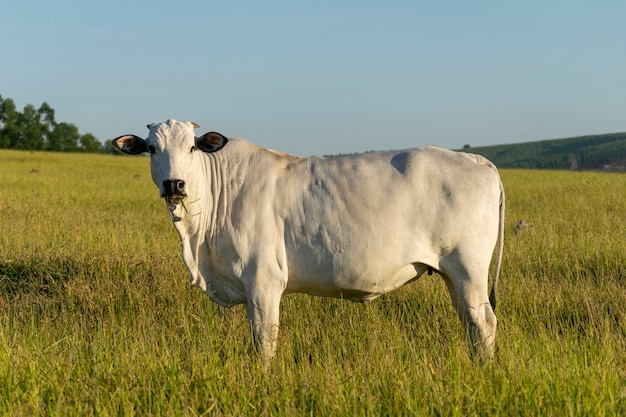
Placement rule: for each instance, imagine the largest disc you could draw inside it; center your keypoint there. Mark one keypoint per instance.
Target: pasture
(97, 316)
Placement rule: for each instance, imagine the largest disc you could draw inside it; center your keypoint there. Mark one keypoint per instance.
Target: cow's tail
(500, 250)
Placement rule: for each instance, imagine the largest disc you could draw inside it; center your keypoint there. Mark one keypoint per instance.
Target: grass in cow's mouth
(173, 201)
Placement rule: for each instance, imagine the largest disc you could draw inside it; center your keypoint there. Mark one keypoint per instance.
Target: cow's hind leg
(469, 294)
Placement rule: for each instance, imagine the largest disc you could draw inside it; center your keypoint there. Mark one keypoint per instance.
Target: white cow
(256, 224)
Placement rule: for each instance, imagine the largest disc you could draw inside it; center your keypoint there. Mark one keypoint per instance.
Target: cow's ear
(131, 144)
(211, 142)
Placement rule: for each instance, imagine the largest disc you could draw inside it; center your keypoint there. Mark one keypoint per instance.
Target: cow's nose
(173, 187)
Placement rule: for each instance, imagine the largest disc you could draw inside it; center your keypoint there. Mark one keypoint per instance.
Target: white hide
(256, 224)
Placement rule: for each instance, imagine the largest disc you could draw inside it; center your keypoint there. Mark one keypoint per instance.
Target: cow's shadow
(35, 276)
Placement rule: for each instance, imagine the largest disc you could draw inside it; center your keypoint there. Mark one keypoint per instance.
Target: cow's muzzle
(174, 190)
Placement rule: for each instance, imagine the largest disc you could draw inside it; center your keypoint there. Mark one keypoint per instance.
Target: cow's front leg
(263, 315)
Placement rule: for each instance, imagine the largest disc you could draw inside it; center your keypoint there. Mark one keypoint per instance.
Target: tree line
(605, 152)
(36, 129)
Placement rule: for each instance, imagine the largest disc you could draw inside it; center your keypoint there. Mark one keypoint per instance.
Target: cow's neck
(207, 207)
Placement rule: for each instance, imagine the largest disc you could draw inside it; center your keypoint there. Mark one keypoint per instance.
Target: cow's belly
(351, 284)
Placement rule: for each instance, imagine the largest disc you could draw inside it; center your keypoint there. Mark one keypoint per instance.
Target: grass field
(97, 316)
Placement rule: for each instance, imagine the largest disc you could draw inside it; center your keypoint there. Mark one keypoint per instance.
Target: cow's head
(174, 152)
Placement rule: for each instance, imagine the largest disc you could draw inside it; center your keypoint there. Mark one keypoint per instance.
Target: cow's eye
(193, 148)
(151, 149)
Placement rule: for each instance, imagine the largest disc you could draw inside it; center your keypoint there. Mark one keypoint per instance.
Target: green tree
(2, 144)
(64, 138)
(108, 147)
(30, 130)
(9, 129)
(36, 129)
(47, 122)
(89, 143)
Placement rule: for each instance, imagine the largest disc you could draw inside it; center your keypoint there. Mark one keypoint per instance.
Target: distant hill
(596, 152)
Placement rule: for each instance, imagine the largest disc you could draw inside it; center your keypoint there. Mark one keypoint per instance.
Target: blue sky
(323, 77)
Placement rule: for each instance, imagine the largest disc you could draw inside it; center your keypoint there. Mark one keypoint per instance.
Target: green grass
(97, 316)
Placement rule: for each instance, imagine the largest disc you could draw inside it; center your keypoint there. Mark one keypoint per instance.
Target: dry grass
(97, 316)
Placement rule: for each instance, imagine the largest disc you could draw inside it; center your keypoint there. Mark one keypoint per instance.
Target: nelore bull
(256, 224)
